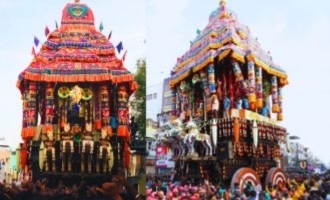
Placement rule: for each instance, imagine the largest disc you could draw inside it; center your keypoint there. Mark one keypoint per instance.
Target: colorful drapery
(259, 89)
(239, 76)
(105, 110)
(274, 90)
(211, 78)
(252, 85)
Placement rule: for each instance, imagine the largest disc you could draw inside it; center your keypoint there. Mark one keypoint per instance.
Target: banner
(163, 157)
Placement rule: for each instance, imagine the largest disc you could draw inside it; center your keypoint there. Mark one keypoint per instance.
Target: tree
(138, 102)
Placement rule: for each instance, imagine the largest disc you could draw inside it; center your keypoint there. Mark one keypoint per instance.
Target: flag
(46, 31)
(109, 36)
(120, 47)
(198, 31)
(36, 41)
(101, 27)
(179, 59)
(33, 52)
(124, 56)
(56, 25)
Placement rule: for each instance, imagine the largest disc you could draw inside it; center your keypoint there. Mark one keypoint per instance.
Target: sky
(297, 34)
(21, 20)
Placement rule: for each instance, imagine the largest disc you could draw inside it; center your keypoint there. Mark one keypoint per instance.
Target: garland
(49, 104)
(252, 85)
(274, 90)
(105, 116)
(30, 112)
(122, 105)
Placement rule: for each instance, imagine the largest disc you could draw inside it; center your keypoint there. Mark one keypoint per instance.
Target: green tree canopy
(139, 101)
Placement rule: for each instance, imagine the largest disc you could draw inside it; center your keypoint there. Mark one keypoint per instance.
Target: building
(13, 166)
(297, 153)
(5, 162)
(151, 145)
(159, 106)
(154, 100)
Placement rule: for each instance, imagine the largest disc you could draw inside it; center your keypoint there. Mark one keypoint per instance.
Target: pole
(297, 156)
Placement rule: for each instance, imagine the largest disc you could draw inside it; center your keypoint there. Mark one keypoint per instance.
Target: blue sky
(295, 32)
(21, 20)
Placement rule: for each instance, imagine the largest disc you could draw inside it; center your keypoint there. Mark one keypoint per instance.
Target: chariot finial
(222, 3)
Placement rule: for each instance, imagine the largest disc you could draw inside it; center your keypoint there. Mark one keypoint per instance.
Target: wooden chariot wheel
(243, 175)
(276, 176)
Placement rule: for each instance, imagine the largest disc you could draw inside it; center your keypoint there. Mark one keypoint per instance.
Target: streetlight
(294, 137)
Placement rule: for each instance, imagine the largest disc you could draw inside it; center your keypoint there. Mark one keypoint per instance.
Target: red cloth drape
(23, 154)
(127, 156)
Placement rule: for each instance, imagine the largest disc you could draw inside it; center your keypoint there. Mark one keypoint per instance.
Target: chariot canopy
(224, 37)
(76, 52)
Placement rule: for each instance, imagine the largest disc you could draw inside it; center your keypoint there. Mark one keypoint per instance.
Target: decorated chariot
(75, 102)
(226, 104)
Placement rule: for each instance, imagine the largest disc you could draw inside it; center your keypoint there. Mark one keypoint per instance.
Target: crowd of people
(297, 187)
(116, 189)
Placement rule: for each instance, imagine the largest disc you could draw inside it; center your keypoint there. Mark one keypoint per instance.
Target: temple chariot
(226, 107)
(75, 96)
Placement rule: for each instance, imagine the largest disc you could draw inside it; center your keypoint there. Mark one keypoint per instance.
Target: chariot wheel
(243, 175)
(276, 176)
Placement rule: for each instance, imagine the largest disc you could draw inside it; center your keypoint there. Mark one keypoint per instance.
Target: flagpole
(124, 56)
(109, 37)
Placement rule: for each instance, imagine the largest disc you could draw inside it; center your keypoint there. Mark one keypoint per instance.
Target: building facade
(5, 163)
(154, 100)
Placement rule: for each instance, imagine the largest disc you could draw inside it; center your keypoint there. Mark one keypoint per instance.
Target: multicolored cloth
(76, 52)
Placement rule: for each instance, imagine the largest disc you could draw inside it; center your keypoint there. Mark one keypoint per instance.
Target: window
(149, 97)
(155, 95)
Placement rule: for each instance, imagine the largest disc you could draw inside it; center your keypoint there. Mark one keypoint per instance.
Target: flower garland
(105, 111)
(122, 107)
(49, 103)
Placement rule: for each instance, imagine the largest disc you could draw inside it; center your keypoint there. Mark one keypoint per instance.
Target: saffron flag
(101, 27)
(46, 31)
(124, 56)
(109, 36)
(36, 41)
(33, 52)
(120, 47)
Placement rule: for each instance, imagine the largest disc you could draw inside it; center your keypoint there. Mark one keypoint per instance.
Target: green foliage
(139, 102)
(266, 89)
